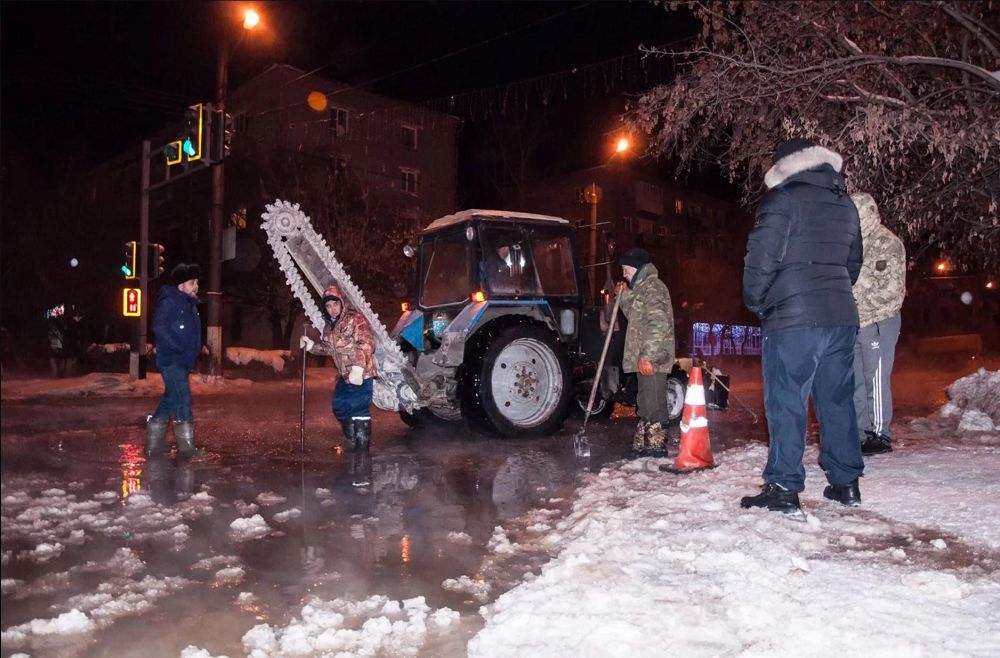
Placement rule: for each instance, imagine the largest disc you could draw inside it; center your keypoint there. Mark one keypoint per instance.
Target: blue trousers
(176, 400)
(820, 361)
(350, 401)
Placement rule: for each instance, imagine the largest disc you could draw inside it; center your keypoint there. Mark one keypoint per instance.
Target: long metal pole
(138, 369)
(215, 226)
(593, 241)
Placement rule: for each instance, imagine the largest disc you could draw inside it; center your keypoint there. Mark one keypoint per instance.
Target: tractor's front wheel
(520, 384)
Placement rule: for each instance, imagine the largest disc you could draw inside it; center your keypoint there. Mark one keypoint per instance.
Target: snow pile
(479, 589)
(374, 626)
(287, 515)
(650, 560)
(254, 527)
(975, 400)
(274, 358)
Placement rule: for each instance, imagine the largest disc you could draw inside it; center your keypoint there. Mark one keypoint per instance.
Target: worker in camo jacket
(879, 293)
(347, 337)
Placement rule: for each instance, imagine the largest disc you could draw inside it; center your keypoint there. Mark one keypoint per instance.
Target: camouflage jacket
(650, 335)
(881, 286)
(350, 342)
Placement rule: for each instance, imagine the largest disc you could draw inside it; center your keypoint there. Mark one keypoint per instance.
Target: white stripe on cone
(695, 395)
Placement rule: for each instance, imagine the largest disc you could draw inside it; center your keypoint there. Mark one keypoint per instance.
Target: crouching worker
(177, 328)
(347, 338)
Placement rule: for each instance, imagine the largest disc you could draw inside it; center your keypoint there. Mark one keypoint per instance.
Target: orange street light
(250, 19)
(622, 145)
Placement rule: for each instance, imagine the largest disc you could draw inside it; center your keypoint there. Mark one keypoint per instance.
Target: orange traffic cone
(695, 453)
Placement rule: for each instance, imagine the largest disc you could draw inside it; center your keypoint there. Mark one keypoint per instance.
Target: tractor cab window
(444, 266)
(507, 266)
(553, 252)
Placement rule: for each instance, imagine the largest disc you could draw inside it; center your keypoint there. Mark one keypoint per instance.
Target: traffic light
(222, 135)
(128, 266)
(193, 140)
(131, 302)
(156, 260)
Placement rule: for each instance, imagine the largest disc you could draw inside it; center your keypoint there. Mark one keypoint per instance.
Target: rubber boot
(184, 433)
(156, 436)
(656, 440)
(639, 439)
(350, 443)
(362, 432)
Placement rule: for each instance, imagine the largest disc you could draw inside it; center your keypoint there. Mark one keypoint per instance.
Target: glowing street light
(942, 266)
(250, 19)
(622, 145)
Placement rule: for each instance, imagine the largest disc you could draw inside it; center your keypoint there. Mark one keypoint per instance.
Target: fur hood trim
(804, 160)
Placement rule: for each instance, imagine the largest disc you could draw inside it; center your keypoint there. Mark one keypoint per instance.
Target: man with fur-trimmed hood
(879, 293)
(347, 337)
(803, 256)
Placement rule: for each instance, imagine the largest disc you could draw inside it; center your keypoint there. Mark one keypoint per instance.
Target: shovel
(580, 443)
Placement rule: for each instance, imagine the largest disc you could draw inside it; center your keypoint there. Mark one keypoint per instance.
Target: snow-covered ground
(644, 564)
(651, 564)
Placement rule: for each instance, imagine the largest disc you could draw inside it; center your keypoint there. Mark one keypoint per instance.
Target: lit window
(339, 121)
(678, 206)
(410, 180)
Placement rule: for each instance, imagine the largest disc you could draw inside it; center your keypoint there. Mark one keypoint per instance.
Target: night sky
(101, 75)
(83, 82)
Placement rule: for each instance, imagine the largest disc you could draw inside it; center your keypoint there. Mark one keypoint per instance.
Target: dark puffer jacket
(804, 253)
(177, 328)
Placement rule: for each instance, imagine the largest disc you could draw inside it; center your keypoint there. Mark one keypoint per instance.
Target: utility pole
(592, 195)
(214, 292)
(145, 306)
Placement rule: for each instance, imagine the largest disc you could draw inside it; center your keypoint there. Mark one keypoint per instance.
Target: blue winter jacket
(177, 327)
(804, 253)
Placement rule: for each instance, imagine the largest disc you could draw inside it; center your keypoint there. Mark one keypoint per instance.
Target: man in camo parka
(649, 347)
(879, 293)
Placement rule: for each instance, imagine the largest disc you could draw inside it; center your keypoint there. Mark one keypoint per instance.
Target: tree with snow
(908, 92)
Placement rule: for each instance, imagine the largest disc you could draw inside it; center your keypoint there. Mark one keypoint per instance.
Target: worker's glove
(306, 343)
(356, 376)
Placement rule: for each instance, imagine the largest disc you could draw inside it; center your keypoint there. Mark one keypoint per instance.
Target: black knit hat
(635, 257)
(791, 146)
(184, 272)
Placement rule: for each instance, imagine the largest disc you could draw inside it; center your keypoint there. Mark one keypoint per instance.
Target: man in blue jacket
(803, 256)
(177, 328)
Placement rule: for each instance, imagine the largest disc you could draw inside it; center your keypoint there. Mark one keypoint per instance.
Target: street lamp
(251, 19)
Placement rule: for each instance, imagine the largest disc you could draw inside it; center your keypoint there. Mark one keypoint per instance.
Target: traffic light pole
(214, 292)
(137, 355)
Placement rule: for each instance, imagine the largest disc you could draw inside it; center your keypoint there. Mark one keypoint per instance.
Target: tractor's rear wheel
(520, 383)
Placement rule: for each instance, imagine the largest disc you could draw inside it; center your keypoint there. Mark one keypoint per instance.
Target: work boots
(184, 434)
(360, 469)
(350, 443)
(362, 432)
(775, 498)
(639, 439)
(845, 494)
(875, 444)
(656, 440)
(156, 436)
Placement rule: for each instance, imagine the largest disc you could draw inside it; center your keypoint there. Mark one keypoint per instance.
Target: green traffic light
(188, 147)
(126, 270)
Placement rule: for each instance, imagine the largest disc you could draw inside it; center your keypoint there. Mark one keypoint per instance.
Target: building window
(410, 180)
(678, 206)
(410, 137)
(339, 121)
(646, 227)
(649, 198)
(241, 122)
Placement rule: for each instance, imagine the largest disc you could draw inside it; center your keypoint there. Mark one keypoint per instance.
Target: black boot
(362, 432)
(184, 433)
(845, 494)
(875, 444)
(156, 436)
(350, 442)
(775, 498)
